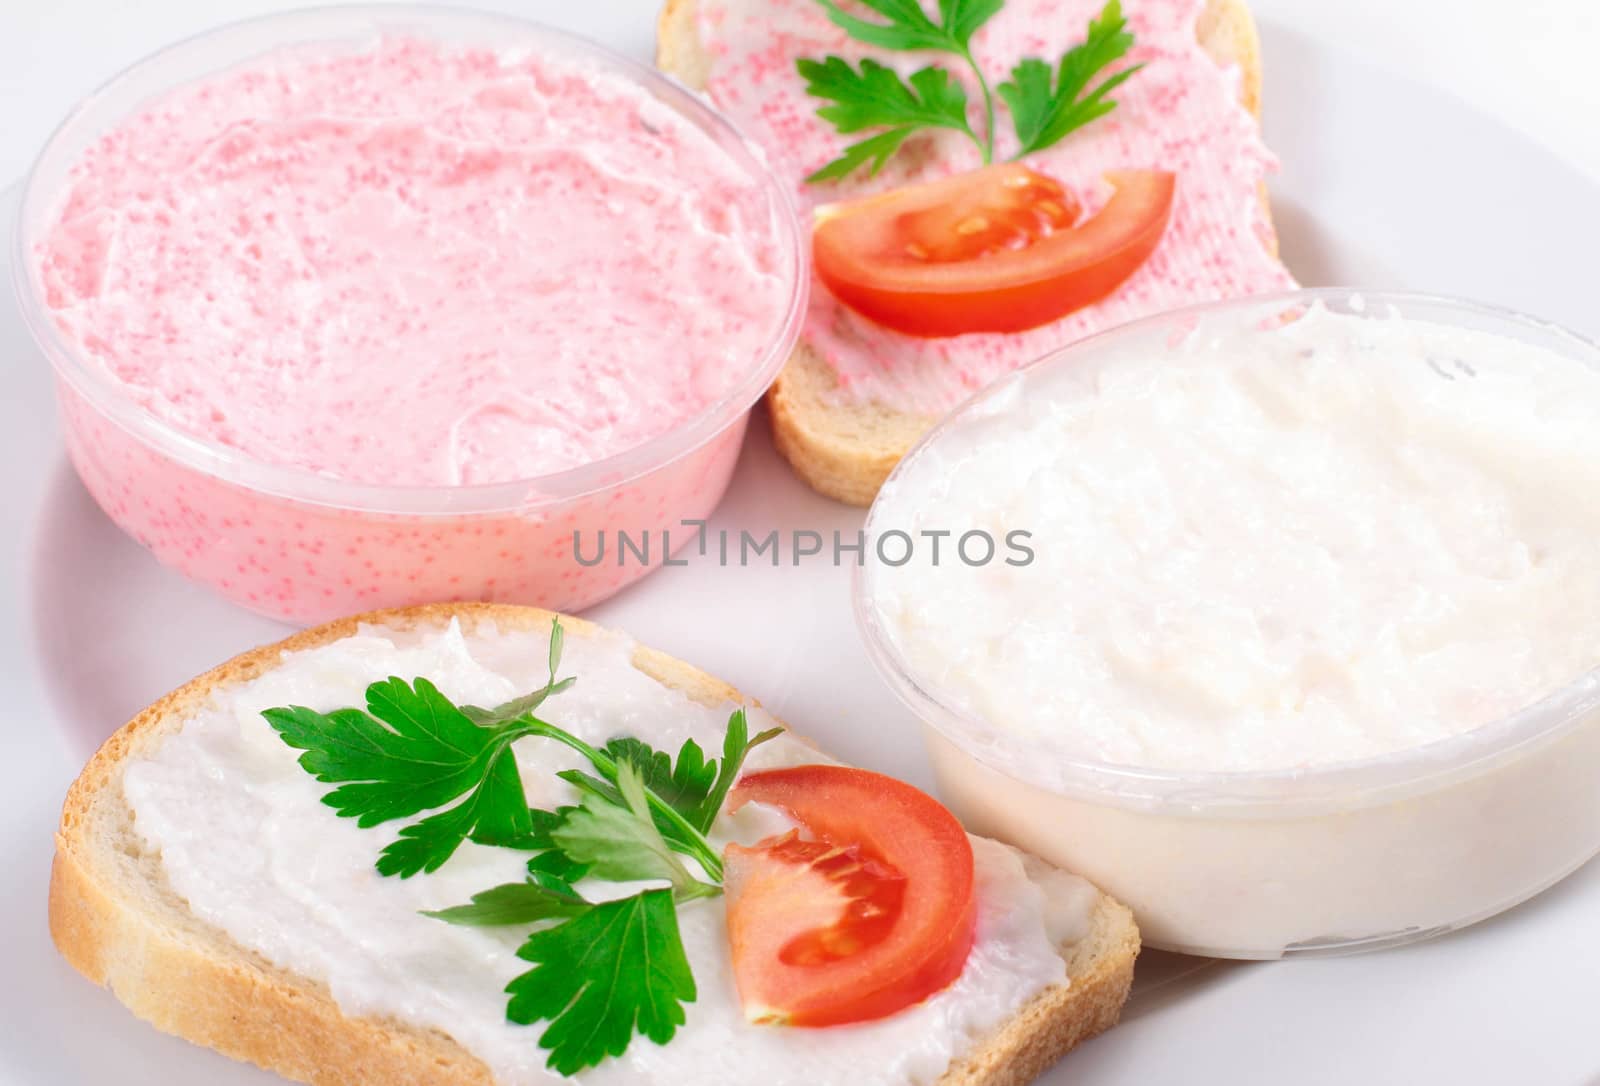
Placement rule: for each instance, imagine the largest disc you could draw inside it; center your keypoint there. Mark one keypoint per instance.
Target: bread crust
(847, 450)
(116, 921)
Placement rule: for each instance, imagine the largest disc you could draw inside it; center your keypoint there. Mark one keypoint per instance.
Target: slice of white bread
(846, 450)
(117, 921)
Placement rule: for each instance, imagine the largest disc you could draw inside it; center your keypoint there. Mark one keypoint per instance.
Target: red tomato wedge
(996, 250)
(871, 910)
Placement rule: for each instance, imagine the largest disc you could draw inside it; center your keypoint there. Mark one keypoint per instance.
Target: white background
(1385, 183)
(1534, 64)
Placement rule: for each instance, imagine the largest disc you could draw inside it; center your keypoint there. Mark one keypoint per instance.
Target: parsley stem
(700, 848)
(986, 145)
(696, 890)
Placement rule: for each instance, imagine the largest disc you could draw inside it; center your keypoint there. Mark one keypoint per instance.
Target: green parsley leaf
(695, 786)
(549, 859)
(557, 863)
(424, 846)
(1044, 114)
(873, 152)
(876, 97)
(541, 897)
(615, 969)
(736, 745)
(620, 841)
(412, 750)
(523, 706)
(962, 18)
(534, 836)
(683, 823)
(1045, 105)
(517, 706)
(906, 25)
(679, 833)
(683, 785)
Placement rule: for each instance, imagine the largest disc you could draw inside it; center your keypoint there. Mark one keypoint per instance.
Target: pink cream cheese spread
(1181, 112)
(416, 265)
(316, 298)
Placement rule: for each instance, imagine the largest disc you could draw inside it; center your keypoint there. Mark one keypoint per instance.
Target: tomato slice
(869, 909)
(996, 250)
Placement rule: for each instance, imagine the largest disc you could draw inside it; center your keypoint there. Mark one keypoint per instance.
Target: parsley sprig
(1045, 104)
(602, 970)
(411, 750)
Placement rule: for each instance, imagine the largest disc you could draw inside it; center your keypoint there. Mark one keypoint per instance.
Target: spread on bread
(870, 912)
(1000, 249)
(548, 840)
(1181, 114)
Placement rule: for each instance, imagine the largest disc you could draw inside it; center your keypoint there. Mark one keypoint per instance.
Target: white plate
(1385, 183)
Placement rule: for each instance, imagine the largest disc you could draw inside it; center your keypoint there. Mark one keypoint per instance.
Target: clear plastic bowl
(302, 547)
(1330, 859)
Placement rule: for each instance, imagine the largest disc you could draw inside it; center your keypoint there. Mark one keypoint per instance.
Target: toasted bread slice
(116, 919)
(846, 450)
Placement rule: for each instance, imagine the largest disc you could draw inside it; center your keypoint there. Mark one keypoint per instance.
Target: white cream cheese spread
(244, 838)
(1260, 549)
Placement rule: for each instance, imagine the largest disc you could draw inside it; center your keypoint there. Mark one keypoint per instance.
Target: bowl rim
(1318, 788)
(304, 486)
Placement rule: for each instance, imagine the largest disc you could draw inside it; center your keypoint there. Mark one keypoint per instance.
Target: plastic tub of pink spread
(371, 306)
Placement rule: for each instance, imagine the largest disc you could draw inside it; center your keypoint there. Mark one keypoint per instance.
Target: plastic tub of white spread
(1299, 652)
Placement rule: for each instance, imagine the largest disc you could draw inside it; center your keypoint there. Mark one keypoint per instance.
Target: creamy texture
(1262, 548)
(1181, 113)
(244, 839)
(406, 263)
